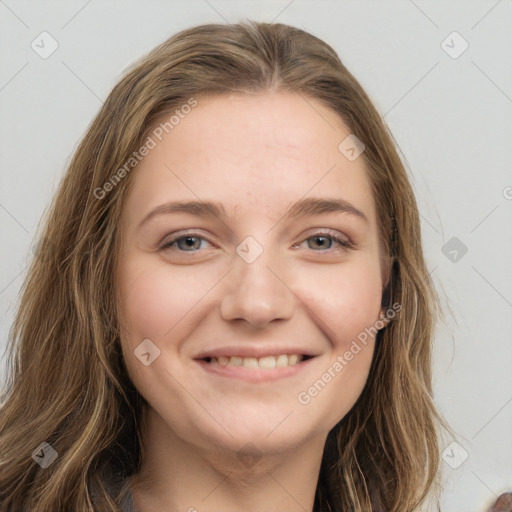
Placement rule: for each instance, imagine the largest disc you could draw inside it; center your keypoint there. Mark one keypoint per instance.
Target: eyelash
(345, 244)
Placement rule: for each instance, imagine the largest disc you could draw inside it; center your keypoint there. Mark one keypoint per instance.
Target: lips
(236, 364)
(255, 363)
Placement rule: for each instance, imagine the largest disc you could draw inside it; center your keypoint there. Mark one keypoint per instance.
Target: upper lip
(252, 351)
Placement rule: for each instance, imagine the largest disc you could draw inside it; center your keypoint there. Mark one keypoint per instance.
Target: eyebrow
(304, 207)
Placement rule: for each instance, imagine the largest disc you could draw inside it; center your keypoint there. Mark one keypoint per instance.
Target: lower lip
(254, 374)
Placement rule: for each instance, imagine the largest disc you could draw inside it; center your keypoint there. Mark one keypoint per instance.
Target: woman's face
(230, 293)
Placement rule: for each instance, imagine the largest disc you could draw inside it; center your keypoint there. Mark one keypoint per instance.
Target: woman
(230, 308)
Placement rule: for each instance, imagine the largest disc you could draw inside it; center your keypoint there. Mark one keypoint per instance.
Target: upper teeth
(265, 363)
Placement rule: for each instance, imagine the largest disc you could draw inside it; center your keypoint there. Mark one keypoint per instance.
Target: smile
(255, 369)
(261, 363)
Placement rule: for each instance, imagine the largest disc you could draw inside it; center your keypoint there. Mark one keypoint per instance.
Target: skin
(255, 154)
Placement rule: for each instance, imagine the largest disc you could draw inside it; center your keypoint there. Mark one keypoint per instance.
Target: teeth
(250, 362)
(267, 363)
(282, 361)
(293, 359)
(263, 363)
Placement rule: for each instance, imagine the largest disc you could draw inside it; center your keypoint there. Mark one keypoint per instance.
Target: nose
(258, 292)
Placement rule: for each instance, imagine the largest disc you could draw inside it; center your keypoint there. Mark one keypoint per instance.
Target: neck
(179, 476)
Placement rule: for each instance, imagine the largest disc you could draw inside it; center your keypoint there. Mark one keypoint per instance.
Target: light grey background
(450, 116)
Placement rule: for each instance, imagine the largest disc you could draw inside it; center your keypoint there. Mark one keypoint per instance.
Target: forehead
(264, 150)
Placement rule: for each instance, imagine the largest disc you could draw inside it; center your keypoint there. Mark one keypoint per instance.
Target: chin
(269, 435)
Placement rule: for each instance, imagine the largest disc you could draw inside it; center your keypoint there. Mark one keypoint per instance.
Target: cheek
(347, 309)
(345, 301)
(160, 305)
(157, 300)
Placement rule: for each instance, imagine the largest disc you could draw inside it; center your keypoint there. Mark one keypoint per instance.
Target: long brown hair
(68, 385)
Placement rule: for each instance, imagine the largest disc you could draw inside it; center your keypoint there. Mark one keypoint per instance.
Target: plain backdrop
(440, 73)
